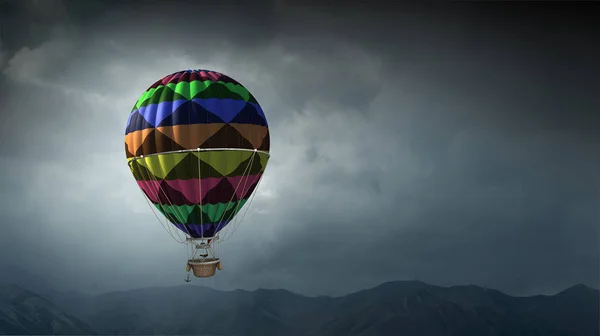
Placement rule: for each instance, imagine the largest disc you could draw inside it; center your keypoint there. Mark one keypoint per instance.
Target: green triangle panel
(196, 214)
(221, 91)
(194, 89)
(162, 94)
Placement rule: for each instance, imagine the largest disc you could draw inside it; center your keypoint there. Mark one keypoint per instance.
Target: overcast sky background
(455, 144)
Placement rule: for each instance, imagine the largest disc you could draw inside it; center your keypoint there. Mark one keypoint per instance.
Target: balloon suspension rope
(209, 248)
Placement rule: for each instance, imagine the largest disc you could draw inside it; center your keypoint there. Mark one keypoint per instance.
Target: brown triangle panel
(253, 133)
(266, 143)
(190, 136)
(135, 139)
(227, 137)
(179, 137)
(128, 153)
(156, 142)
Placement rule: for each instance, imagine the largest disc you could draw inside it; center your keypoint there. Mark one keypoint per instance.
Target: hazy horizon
(55, 292)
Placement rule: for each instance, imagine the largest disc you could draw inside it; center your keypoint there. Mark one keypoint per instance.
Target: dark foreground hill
(24, 312)
(406, 308)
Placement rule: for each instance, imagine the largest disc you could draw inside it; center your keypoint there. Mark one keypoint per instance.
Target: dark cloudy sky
(451, 143)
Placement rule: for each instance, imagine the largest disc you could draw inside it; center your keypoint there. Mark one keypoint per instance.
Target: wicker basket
(204, 268)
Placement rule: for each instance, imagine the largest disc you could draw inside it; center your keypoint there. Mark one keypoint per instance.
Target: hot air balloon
(197, 143)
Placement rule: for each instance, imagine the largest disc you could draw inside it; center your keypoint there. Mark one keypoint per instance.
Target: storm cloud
(450, 143)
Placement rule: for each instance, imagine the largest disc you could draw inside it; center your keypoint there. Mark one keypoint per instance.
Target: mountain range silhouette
(393, 308)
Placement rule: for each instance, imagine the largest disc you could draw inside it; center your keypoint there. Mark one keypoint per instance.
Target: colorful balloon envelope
(197, 143)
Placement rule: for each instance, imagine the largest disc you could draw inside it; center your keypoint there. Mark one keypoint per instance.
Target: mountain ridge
(413, 307)
(25, 312)
(386, 283)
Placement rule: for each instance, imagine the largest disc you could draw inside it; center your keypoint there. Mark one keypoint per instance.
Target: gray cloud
(440, 148)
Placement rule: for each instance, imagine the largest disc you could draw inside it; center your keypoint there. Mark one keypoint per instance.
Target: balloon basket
(204, 268)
